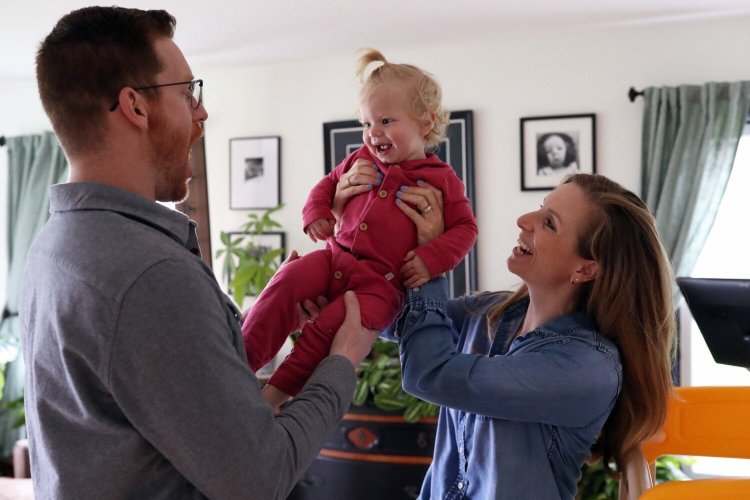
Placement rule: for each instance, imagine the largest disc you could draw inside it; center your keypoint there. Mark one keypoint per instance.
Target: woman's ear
(587, 271)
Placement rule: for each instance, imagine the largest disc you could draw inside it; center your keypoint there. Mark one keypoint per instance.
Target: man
(137, 381)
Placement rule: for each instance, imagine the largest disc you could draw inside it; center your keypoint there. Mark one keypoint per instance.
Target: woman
(573, 365)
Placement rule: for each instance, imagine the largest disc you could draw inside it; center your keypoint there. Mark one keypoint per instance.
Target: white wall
(500, 80)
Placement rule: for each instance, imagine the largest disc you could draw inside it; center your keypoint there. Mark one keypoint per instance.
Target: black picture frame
(555, 146)
(254, 173)
(340, 138)
(269, 239)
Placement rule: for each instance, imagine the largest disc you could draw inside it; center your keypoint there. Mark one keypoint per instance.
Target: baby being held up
(371, 241)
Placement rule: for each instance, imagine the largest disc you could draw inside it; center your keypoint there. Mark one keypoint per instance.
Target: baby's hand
(320, 229)
(414, 273)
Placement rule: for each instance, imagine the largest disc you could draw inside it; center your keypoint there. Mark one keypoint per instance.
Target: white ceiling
(255, 31)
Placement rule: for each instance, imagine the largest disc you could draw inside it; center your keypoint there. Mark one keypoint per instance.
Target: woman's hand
(423, 204)
(357, 180)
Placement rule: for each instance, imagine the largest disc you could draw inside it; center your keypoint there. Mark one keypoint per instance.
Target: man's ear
(134, 107)
(587, 271)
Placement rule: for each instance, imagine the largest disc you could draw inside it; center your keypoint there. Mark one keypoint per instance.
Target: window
(725, 255)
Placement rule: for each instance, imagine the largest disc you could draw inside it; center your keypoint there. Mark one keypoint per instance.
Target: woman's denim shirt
(519, 415)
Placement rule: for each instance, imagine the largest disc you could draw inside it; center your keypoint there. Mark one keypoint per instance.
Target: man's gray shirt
(137, 384)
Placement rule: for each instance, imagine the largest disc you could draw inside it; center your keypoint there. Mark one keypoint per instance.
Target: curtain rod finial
(2, 140)
(632, 93)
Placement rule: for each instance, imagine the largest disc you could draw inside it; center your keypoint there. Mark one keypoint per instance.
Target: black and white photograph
(341, 138)
(255, 172)
(555, 146)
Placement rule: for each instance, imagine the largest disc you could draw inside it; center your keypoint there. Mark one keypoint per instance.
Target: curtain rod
(632, 94)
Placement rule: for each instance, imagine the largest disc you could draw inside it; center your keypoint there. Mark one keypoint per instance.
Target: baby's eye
(366, 125)
(386, 121)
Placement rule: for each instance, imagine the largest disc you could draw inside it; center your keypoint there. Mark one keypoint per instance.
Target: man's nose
(201, 115)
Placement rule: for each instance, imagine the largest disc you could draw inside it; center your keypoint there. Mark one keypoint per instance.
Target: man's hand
(352, 340)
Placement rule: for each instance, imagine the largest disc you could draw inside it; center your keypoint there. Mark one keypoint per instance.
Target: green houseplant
(250, 264)
(379, 384)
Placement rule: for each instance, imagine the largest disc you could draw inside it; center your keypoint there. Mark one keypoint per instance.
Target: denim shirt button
(460, 486)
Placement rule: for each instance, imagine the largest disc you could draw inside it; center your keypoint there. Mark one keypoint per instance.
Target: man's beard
(169, 155)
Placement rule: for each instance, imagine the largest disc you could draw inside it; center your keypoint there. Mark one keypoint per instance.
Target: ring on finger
(427, 209)
(349, 180)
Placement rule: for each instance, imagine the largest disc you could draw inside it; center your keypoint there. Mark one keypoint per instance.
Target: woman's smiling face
(547, 252)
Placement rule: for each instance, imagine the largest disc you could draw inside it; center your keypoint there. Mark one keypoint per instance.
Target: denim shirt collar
(512, 317)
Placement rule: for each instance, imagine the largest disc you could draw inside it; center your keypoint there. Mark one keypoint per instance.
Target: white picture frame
(254, 173)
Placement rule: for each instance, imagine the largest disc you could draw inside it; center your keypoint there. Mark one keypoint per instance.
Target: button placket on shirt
(461, 484)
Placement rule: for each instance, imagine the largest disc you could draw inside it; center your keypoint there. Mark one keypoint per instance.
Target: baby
(402, 116)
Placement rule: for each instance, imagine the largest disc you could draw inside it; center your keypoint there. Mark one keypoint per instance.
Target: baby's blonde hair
(423, 91)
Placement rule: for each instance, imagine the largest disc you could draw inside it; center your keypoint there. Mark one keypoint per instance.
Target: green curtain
(690, 137)
(34, 163)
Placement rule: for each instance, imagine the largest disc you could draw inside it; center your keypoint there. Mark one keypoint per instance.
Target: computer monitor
(721, 308)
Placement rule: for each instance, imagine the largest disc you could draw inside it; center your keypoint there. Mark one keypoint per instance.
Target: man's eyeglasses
(194, 86)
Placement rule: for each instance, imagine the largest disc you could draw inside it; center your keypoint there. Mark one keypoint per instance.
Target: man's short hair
(90, 55)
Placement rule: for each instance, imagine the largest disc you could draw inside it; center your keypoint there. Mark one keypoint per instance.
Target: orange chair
(701, 421)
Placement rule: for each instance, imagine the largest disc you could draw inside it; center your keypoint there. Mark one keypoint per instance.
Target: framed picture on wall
(340, 138)
(254, 173)
(555, 146)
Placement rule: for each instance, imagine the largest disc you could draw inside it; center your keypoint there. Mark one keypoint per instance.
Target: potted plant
(250, 264)
(379, 384)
